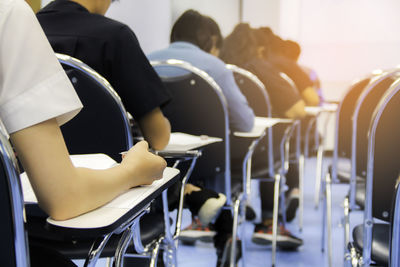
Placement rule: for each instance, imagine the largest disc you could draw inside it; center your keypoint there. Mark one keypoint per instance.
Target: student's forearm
(156, 129)
(64, 191)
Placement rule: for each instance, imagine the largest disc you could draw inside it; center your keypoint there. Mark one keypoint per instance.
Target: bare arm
(310, 96)
(296, 111)
(64, 191)
(155, 128)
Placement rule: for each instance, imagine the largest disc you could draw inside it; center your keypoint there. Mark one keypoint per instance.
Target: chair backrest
(254, 90)
(199, 107)
(102, 126)
(257, 97)
(365, 106)
(383, 162)
(342, 141)
(13, 244)
(386, 160)
(394, 252)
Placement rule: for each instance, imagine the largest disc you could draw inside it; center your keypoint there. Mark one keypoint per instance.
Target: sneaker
(285, 240)
(223, 254)
(292, 203)
(196, 231)
(206, 204)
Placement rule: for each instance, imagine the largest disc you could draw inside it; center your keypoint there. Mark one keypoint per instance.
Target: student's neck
(89, 5)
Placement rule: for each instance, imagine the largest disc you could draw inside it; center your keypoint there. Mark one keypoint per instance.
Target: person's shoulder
(214, 63)
(7, 5)
(110, 27)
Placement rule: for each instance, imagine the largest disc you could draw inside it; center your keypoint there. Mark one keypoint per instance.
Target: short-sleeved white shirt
(33, 85)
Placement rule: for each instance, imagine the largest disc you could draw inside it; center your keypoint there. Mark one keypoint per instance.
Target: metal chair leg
(318, 176)
(346, 228)
(301, 190)
(154, 255)
(275, 218)
(123, 245)
(95, 250)
(170, 257)
(323, 234)
(329, 217)
(234, 232)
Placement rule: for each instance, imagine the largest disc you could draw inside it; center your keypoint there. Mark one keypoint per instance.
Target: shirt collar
(65, 5)
(181, 44)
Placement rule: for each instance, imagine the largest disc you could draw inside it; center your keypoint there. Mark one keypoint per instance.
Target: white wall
(224, 12)
(149, 19)
(262, 13)
(343, 39)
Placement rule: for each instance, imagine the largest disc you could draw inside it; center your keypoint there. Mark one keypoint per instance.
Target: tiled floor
(203, 254)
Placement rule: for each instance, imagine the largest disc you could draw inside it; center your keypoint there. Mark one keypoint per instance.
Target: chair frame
(132, 231)
(349, 202)
(368, 219)
(236, 205)
(11, 170)
(279, 178)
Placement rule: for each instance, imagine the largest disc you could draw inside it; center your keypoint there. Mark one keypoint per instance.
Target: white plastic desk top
(260, 125)
(185, 142)
(110, 212)
(315, 110)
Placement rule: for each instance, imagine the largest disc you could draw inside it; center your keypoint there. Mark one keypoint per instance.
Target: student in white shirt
(32, 111)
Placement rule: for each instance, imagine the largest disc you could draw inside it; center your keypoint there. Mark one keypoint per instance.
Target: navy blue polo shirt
(282, 95)
(109, 47)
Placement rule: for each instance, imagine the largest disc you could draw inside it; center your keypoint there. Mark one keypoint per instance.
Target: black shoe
(292, 204)
(206, 204)
(250, 213)
(285, 240)
(223, 254)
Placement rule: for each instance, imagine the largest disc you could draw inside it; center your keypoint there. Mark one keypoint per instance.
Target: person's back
(241, 48)
(196, 39)
(112, 49)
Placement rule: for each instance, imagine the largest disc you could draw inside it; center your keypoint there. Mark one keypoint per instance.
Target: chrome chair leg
(318, 176)
(275, 218)
(323, 234)
(154, 255)
(95, 250)
(170, 257)
(329, 217)
(234, 231)
(123, 245)
(301, 191)
(346, 228)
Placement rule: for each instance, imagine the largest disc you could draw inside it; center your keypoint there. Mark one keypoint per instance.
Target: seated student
(241, 48)
(196, 39)
(292, 51)
(32, 110)
(79, 28)
(275, 52)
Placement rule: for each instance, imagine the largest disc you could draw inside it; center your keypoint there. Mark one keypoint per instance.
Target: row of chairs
(108, 130)
(365, 147)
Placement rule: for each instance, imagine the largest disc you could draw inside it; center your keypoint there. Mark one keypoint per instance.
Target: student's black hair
(240, 46)
(292, 50)
(197, 29)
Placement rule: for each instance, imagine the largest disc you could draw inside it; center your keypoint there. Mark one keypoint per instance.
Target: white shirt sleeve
(33, 85)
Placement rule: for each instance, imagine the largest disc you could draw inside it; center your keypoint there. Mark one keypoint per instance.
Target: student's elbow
(59, 211)
(161, 140)
(156, 129)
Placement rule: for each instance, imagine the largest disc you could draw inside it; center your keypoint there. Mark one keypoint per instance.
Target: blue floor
(203, 254)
